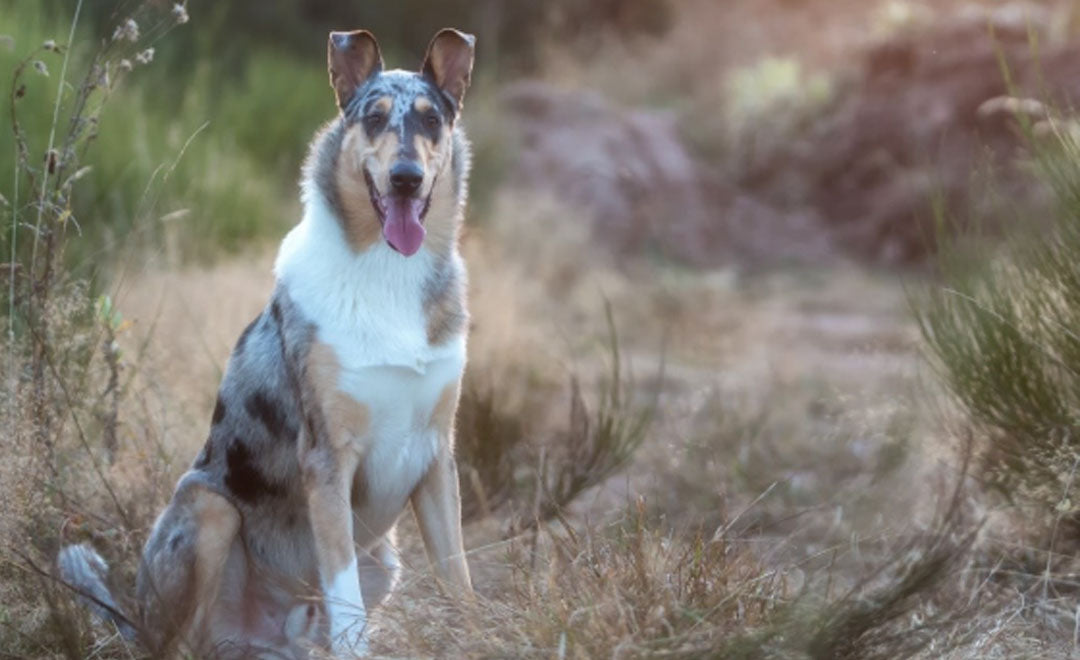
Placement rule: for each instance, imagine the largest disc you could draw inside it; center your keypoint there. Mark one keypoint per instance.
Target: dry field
(793, 482)
(796, 464)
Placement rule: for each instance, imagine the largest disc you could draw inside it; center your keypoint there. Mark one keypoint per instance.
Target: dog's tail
(83, 569)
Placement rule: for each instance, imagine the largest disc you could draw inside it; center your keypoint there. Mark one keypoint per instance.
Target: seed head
(128, 30)
(179, 12)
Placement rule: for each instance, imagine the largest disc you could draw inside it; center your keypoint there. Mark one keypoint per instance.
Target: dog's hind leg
(180, 577)
(379, 569)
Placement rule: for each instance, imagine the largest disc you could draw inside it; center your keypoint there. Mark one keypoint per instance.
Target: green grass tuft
(1003, 334)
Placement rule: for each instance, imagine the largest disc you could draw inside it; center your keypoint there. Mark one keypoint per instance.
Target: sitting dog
(337, 405)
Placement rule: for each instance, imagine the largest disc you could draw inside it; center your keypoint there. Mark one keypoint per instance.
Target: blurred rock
(909, 128)
(904, 129)
(627, 167)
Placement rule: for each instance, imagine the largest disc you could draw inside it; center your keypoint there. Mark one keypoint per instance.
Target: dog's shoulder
(257, 413)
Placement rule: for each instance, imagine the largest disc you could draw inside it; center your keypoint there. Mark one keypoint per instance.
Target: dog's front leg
(437, 504)
(328, 474)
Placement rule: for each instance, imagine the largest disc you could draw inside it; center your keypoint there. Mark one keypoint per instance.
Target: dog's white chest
(368, 310)
(401, 438)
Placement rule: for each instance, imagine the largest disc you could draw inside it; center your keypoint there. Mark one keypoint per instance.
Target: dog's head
(398, 126)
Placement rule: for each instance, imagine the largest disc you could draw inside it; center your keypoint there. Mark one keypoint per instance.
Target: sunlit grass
(1002, 334)
(771, 498)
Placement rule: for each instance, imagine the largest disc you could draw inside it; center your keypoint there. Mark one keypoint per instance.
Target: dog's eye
(374, 120)
(432, 121)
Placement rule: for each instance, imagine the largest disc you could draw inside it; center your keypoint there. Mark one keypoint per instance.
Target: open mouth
(402, 218)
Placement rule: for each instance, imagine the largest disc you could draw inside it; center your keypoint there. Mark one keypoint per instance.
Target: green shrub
(1003, 330)
(221, 163)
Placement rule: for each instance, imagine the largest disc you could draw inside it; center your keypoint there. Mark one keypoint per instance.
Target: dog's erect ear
(352, 58)
(449, 62)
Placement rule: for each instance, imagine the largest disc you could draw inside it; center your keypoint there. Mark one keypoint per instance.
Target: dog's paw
(302, 626)
(346, 614)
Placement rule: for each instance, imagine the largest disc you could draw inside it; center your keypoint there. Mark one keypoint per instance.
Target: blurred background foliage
(702, 134)
(210, 134)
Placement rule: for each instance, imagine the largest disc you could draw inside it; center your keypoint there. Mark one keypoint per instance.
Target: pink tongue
(402, 228)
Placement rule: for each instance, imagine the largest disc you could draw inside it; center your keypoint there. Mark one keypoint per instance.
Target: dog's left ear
(449, 62)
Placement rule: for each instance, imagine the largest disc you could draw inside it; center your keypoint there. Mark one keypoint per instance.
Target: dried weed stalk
(65, 379)
(501, 463)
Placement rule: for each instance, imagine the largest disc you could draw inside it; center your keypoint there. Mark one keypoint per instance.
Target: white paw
(345, 610)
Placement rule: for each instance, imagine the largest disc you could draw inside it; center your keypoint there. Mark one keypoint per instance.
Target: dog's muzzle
(401, 211)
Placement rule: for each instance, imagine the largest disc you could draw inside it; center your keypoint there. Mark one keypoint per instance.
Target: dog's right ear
(352, 58)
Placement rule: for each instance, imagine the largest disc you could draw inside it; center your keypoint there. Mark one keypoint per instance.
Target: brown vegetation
(657, 461)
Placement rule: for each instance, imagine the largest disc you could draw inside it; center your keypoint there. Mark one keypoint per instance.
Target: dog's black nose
(406, 177)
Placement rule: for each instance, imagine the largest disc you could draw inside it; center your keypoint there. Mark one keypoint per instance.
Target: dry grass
(639, 567)
(767, 494)
(794, 493)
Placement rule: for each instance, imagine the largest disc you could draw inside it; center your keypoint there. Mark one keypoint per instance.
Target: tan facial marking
(385, 148)
(442, 218)
(422, 104)
(384, 104)
(431, 157)
(346, 418)
(362, 226)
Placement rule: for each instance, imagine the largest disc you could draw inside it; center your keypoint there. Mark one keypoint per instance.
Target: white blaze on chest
(401, 441)
(368, 306)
